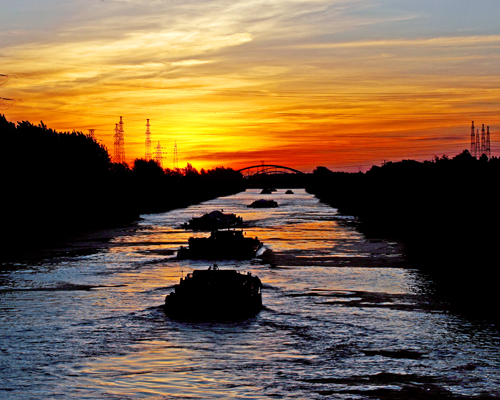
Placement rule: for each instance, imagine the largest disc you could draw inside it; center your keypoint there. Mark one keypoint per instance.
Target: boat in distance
(220, 245)
(213, 221)
(263, 203)
(215, 293)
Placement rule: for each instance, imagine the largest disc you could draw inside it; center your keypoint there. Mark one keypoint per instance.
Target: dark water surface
(344, 319)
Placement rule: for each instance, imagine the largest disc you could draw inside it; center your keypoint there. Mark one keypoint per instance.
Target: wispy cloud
(241, 79)
(453, 41)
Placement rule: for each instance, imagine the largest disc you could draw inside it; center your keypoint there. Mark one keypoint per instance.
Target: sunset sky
(342, 84)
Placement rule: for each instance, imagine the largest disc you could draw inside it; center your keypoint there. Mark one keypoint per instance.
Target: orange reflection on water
(153, 371)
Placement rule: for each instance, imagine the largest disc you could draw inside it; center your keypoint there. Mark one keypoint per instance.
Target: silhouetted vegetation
(443, 210)
(54, 184)
(159, 190)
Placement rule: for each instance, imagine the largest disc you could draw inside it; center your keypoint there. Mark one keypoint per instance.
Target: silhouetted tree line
(54, 183)
(159, 190)
(443, 210)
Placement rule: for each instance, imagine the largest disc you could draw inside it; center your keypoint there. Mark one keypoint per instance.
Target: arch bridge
(269, 169)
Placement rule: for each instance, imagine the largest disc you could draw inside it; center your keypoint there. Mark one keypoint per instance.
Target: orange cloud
(293, 83)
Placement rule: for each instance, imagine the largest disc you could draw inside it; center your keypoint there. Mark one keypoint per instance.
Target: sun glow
(302, 85)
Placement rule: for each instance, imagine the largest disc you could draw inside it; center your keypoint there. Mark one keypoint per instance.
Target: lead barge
(215, 293)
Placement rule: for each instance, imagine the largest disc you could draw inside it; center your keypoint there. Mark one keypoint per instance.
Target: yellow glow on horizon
(232, 89)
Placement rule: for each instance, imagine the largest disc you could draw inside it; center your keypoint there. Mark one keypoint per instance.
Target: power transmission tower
(176, 157)
(159, 154)
(91, 133)
(148, 142)
(122, 140)
(483, 142)
(488, 143)
(116, 143)
(473, 140)
(478, 144)
(119, 156)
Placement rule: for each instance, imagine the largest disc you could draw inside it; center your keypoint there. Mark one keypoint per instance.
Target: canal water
(344, 318)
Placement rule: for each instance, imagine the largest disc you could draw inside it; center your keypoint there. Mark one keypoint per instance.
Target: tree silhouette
(59, 183)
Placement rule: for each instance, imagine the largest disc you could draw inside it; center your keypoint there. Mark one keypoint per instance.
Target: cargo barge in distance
(220, 245)
(213, 221)
(263, 203)
(214, 293)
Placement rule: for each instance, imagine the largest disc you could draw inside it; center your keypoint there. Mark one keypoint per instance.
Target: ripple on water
(344, 318)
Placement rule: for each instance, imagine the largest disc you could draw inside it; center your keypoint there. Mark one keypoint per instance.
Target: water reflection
(343, 318)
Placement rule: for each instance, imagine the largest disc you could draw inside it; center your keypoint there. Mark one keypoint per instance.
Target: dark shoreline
(66, 184)
(432, 210)
(46, 242)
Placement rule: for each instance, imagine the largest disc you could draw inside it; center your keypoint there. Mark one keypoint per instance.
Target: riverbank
(66, 185)
(441, 211)
(62, 236)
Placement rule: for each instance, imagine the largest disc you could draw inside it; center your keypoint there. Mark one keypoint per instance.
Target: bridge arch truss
(270, 169)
